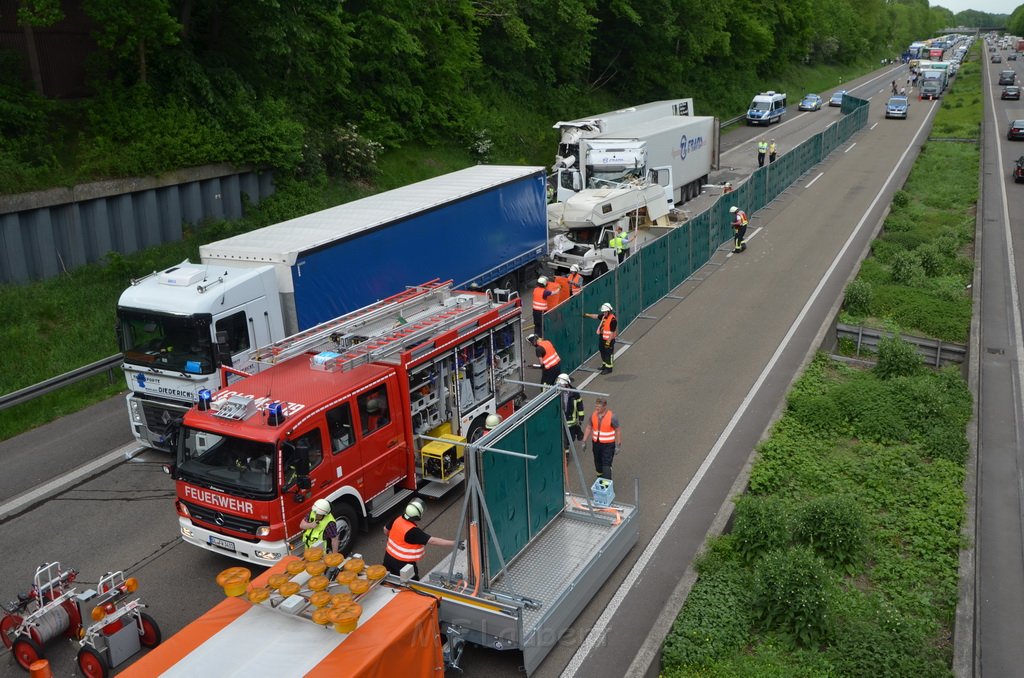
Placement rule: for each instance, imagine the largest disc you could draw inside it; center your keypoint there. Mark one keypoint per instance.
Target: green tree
(129, 30)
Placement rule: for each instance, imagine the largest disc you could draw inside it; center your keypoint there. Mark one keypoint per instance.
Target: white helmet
(542, 280)
(531, 338)
(492, 421)
(606, 308)
(322, 506)
(414, 509)
(733, 209)
(575, 268)
(563, 380)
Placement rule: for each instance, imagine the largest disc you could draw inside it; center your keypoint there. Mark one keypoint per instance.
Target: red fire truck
(362, 411)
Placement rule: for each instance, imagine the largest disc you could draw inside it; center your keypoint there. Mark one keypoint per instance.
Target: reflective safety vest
(550, 358)
(575, 282)
(540, 298)
(762, 146)
(315, 535)
(740, 219)
(602, 431)
(398, 548)
(604, 328)
(771, 148)
(616, 243)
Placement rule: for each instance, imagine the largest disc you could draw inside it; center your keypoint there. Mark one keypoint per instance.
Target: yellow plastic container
(313, 554)
(316, 567)
(234, 581)
(375, 572)
(276, 580)
(333, 559)
(345, 578)
(322, 616)
(346, 619)
(258, 595)
(294, 567)
(318, 583)
(339, 599)
(320, 599)
(354, 565)
(289, 588)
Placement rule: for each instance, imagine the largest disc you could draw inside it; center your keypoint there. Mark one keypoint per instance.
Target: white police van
(766, 108)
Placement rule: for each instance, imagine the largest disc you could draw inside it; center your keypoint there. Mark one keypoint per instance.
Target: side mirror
(223, 349)
(304, 483)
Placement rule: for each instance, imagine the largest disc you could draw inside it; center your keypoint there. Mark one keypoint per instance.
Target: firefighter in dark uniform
(607, 331)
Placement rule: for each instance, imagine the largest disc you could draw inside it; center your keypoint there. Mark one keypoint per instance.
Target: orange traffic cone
(40, 668)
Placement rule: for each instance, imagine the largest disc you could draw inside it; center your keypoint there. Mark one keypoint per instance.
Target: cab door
(381, 439)
(302, 460)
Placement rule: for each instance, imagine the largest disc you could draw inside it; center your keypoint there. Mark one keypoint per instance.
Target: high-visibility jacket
(616, 243)
(550, 358)
(398, 548)
(601, 428)
(575, 282)
(739, 219)
(540, 298)
(315, 534)
(771, 148)
(604, 328)
(762, 146)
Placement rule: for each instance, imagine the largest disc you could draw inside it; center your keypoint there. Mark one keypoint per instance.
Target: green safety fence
(523, 495)
(649, 274)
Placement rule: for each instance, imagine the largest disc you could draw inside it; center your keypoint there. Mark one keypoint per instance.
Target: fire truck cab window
(339, 426)
(373, 409)
(301, 456)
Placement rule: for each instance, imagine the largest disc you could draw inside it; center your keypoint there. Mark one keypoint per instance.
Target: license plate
(222, 543)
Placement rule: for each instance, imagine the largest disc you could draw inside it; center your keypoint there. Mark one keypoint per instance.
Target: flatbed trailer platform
(530, 604)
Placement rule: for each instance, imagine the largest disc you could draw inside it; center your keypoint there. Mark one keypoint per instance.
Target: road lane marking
(814, 179)
(600, 629)
(873, 127)
(26, 499)
(850, 147)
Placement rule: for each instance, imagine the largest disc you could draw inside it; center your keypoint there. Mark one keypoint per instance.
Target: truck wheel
(347, 520)
(476, 429)
(149, 631)
(508, 282)
(91, 663)
(599, 270)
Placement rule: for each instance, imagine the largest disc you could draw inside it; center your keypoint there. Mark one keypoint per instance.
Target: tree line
(315, 85)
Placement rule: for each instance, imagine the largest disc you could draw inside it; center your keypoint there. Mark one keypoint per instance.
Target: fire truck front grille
(224, 520)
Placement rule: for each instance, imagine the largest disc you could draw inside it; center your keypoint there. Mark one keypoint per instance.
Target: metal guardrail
(62, 380)
(733, 121)
(934, 351)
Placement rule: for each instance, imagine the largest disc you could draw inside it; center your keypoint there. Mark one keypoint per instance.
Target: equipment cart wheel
(8, 623)
(91, 663)
(149, 631)
(26, 651)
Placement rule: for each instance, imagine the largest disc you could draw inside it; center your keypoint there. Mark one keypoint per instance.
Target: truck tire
(599, 270)
(347, 520)
(476, 429)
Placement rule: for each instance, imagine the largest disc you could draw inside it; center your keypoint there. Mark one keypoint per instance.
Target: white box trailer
(613, 122)
(686, 146)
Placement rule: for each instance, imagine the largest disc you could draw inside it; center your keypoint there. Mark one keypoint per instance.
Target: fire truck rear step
(437, 489)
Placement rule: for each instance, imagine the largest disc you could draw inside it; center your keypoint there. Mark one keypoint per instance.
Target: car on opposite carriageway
(837, 98)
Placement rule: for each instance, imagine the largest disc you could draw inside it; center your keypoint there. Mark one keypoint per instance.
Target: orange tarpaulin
(397, 636)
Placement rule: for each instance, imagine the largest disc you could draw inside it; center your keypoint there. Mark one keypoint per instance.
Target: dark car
(1007, 77)
(811, 102)
(1011, 92)
(1018, 170)
(837, 98)
(996, 59)
(1012, 56)
(1016, 131)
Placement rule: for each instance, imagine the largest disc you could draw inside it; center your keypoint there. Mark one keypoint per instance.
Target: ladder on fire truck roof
(301, 342)
(402, 321)
(417, 330)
